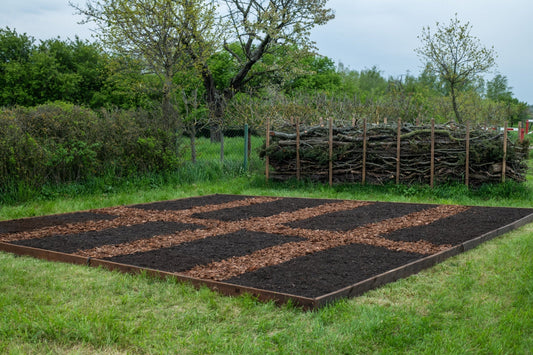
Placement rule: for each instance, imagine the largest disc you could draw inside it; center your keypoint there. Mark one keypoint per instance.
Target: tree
(455, 56)
(15, 53)
(154, 31)
(255, 31)
(498, 90)
(162, 31)
(319, 75)
(71, 71)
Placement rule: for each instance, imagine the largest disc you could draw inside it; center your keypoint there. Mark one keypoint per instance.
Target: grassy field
(478, 302)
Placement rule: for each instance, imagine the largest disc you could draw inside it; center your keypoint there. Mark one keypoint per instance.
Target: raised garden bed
(310, 251)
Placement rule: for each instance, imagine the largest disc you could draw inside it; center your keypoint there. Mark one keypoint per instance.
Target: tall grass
(229, 178)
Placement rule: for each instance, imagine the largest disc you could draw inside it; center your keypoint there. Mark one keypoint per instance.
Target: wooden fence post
(467, 157)
(331, 151)
(246, 144)
(298, 148)
(363, 173)
(432, 162)
(221, 145)
(267, 144)
(398, 151)
(504, 162)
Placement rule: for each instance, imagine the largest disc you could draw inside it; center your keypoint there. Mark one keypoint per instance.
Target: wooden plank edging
(221, 287)
(265, 295)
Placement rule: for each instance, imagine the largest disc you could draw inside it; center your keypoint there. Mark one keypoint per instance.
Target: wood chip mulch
(315, 240)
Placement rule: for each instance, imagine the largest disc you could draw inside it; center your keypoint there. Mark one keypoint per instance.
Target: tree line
(86, 74)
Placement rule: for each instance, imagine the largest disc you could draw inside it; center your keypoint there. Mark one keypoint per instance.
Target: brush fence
(404, 154)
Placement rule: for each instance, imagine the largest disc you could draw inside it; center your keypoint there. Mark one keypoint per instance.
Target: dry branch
(485, 158)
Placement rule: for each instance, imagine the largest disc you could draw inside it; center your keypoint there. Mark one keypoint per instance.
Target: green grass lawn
(478, 302)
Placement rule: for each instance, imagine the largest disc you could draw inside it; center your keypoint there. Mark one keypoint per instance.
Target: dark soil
(187, 255)
(305, 247)
(71, 243)
(462, 227)
(326, 271)
(350, 219)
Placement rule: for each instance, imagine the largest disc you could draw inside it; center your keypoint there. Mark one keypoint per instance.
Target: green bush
(62, 143)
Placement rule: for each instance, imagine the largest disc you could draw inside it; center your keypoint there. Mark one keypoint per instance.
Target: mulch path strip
(190, 202)
(72, 243)
(34, 223)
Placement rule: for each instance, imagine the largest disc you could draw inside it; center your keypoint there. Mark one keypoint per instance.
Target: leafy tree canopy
(455, 56)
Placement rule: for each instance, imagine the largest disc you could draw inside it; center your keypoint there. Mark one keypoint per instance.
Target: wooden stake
(331, 152)
(467, 158)
(363, 178)
(267, 144)
(432, 162)
(298, 148)
(504, 162)
(398, 151)
(221, 145)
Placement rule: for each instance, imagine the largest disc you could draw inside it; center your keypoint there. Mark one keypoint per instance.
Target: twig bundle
(376, 161)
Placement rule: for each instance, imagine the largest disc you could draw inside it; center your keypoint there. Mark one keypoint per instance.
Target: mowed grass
(478, 302)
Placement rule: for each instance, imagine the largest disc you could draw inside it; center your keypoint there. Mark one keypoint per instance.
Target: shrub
(61, 143)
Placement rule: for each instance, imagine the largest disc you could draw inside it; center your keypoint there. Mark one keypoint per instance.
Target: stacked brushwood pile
(486, 154)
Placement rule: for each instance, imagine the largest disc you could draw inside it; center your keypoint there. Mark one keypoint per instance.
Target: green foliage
(456, 56)
(64, 143)
(72, 71)
(309, 86)
(319, 74)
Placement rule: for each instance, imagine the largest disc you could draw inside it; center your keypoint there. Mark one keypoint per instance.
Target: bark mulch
(297, 246)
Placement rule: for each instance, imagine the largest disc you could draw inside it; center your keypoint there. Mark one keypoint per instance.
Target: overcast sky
(365, 33)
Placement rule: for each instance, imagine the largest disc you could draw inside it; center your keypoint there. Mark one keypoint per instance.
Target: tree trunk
(454, 104)
(216, 104)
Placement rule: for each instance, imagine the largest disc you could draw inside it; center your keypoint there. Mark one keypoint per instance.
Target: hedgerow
(62, 143)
